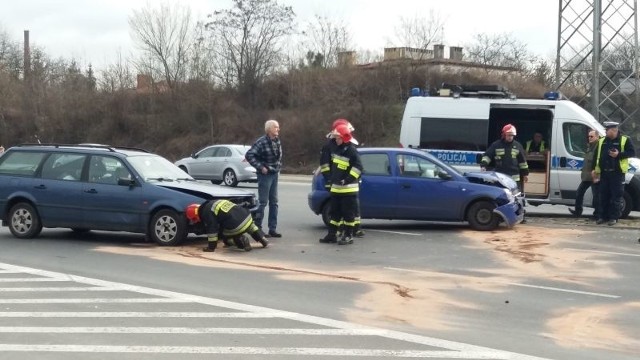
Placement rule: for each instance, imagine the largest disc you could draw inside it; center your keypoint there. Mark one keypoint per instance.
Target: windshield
(154, 167)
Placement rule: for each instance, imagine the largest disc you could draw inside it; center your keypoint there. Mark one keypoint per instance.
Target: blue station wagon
(98, 187)
(408, 184)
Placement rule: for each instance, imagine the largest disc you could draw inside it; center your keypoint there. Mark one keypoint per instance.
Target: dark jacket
(603, 162)
(325, 160)
(588, 164)
(265, 153)
(506, 158)
(345, 170)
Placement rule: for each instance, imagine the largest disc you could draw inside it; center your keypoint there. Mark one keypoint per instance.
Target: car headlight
(510, 196)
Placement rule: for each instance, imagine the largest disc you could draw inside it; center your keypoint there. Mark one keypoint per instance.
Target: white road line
(31, 279)
(186, 330)
(460, 350)
(69, 314)
(566, 290)
(59, 289)
(605, 252)
(394, 232)
(488, 354)
(90, 301)
(521, 285)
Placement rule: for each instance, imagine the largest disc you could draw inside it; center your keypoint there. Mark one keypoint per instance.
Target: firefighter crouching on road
(344, 173)
(222, 218)
(325, 167)
(507, 156)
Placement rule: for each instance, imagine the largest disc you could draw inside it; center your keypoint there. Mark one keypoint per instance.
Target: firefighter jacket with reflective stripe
(232, 219)
(325, 161)
(604, 162)
(507, 158)
(345, 170)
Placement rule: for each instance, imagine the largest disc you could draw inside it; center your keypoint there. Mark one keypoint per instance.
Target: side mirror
(194, 156)
(123, 181)
(444, 175)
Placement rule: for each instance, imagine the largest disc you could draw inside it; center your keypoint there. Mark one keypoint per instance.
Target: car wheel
(183, 168)
(481, 217)
(326, 213)
(230, 178)
(24, 221)
(167, 228)
(627, 205)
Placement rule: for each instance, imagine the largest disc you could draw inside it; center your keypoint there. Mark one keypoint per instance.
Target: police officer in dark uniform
(507, 156)
(611, 160)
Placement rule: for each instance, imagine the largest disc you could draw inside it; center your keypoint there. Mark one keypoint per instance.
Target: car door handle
(40, 187)
(91, 191)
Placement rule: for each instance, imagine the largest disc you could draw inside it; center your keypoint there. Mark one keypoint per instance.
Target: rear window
(21, 163)
(454, 134)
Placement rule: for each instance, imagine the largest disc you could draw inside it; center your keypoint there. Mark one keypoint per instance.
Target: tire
(24, 221)
(481, 217)
(229, 178)
(627, 206)
(167, 228)
(326, 213)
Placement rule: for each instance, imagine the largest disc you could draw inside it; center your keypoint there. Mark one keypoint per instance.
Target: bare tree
(499, 50)
(324, 40)
(419, 32)
(247, 41)
(10, 55)
(165, 35)
(117, 76)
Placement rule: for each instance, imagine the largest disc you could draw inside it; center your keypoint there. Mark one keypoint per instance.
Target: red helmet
(192, 213)
(509, 129)
(344, 133)
(343, 122)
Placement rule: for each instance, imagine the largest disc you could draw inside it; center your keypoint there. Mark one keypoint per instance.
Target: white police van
(462, 122)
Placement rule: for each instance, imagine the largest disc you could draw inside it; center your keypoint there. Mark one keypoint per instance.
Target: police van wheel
(481, 217)
(627, 206)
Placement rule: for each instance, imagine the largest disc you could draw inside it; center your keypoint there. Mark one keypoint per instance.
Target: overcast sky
(94, 31)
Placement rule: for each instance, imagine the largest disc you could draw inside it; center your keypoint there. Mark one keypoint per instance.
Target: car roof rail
(96, 146)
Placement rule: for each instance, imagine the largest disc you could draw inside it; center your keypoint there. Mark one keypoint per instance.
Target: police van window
(574, 136)
(375, 164)
(454, 134)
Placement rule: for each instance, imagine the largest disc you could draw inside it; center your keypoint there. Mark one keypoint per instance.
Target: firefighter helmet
(343, 122)
(192, 213)
(509, 129)
(344, 133)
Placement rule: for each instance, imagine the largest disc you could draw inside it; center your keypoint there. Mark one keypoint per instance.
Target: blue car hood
(492, 178)
(204, 188)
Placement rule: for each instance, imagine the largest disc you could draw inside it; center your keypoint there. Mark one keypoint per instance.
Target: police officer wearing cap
(611, 160)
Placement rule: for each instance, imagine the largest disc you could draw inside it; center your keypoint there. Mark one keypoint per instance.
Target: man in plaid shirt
(266, 156)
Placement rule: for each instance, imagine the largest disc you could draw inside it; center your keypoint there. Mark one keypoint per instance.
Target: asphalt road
(557, 288)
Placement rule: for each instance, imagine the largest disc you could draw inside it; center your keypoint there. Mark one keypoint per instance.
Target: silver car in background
(220, 164)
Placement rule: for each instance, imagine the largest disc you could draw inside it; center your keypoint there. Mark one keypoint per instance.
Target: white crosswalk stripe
(127, 331)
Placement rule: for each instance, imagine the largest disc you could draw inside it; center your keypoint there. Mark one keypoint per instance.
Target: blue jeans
(267, 193)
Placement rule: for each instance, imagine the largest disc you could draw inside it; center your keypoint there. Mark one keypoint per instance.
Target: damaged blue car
(408, 184)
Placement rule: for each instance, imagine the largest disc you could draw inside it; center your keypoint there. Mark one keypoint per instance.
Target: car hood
(492, 178)
(205, 190)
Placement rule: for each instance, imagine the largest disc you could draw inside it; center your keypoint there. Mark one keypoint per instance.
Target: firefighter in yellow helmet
(224, 219)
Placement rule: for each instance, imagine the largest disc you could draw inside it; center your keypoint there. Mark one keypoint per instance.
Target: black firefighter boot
(259, 237)
(211, 245)
(242, 243)
(347, 238)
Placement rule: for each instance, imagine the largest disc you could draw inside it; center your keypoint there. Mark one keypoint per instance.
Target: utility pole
(597, 57)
